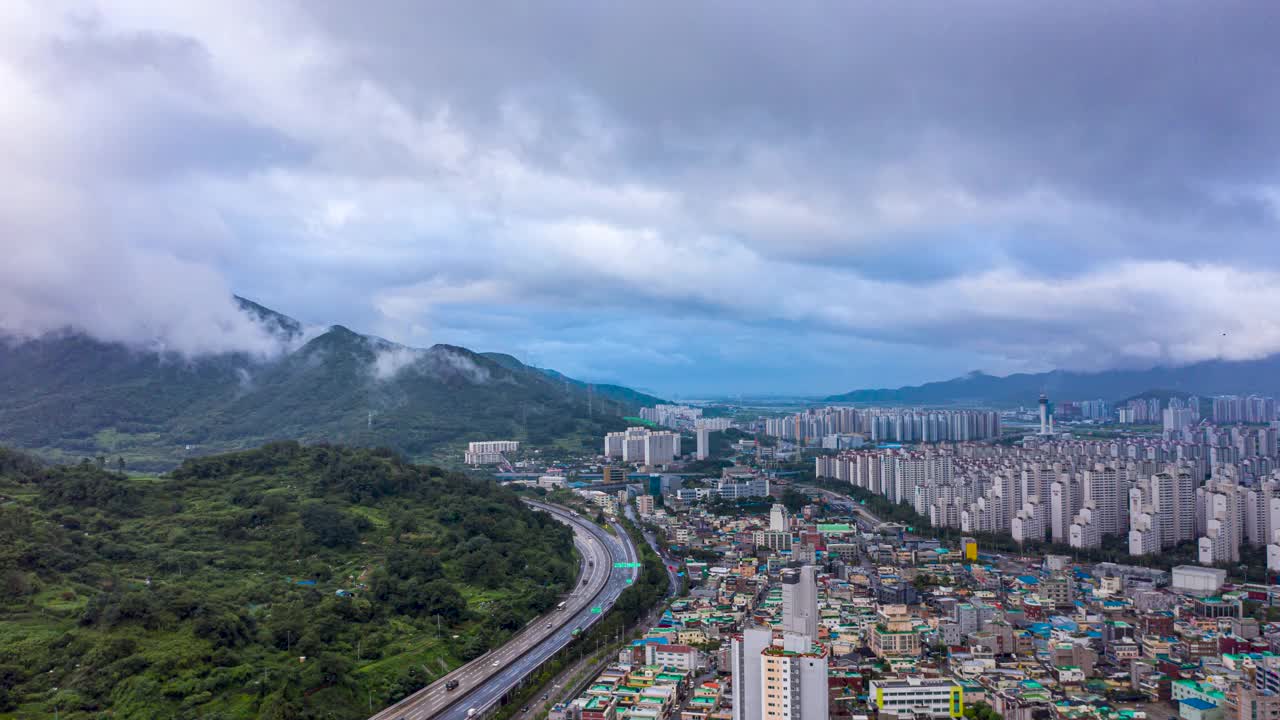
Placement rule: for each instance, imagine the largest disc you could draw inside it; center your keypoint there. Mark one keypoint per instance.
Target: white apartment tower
(1223, 521)
(641, 445)
(747, 686)
(1102, 488)
(1064, 503)
(1085, 531)
(1173, 496)
(778, 518)
(800, 601)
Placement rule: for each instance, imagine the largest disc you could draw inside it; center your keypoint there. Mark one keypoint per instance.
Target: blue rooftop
(1198, 704)
(1028, 579)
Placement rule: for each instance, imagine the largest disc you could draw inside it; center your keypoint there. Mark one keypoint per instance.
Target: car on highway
(548, 626)
(451, 685)
(496, 663)
(471, 712)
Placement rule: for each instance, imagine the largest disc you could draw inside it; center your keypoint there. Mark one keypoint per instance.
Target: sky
(689, 198)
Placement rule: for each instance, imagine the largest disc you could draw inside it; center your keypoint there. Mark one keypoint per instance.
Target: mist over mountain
(71, 395)
(1215, 377)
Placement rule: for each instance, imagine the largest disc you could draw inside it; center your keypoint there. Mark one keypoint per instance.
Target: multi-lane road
(866, 520)
(485, 680)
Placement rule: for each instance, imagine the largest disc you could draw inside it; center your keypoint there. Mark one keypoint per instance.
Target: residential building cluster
(1216, 486)
(885, 425)
(642, 446)
(1237, 409)
(806, 616)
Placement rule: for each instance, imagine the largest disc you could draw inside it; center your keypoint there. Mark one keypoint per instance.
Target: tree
(981, 711)
(328, 525)
(794, 500)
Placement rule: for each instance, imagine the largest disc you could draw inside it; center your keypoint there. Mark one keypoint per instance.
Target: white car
(496, 663)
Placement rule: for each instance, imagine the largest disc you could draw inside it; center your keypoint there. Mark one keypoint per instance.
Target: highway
(866, 520)
(483, 681)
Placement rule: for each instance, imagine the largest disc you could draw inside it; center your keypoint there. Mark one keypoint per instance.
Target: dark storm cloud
(1019, 184)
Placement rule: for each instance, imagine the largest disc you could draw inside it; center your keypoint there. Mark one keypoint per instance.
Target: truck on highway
(471, 712)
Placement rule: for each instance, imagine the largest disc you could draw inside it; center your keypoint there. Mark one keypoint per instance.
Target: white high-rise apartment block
(1177, 418)
(1174, 500)
(1065, 502)
(747, 685)
(661, 448)
(642, 445)
(778, 520)
(713, 424)
(1273, 553)
(1144, 539)
(1085, 531)
(487, 452)
(1102, 488)
(1223, 504)
(800, 601)
(1029, 523)
(704, 443)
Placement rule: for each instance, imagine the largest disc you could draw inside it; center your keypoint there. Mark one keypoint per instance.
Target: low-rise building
(914, 696)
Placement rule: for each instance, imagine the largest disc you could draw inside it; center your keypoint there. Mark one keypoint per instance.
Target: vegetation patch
(284, 582)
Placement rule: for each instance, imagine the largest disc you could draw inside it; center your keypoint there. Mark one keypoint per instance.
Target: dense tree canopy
(288, 582)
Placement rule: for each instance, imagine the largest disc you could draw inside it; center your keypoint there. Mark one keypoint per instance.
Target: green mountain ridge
(1215, 377)
(70, 396)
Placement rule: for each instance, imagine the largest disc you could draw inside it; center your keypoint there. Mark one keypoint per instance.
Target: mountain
(174, 597)
(618, 394)
(1215, 377)
(70, 396)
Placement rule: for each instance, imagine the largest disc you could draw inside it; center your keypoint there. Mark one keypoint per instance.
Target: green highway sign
(626, 565)
(628, 581)
(597, 610)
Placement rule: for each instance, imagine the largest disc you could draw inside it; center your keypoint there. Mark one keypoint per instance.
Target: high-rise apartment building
(642, 445)
(793, 679)
(800, 601)
(704, 443)
(779, 519)
(744, 655)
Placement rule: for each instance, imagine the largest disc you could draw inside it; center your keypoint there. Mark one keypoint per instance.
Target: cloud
(390, 361)
(1016, 185)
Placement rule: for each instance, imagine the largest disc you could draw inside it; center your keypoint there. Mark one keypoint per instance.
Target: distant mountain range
(69, 395)
(1216, 377)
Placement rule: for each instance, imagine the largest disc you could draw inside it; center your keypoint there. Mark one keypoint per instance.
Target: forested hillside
(283, 582)
(70, 396)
